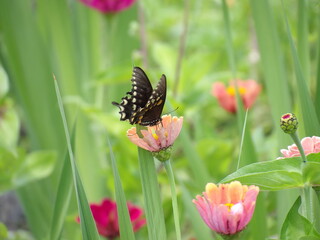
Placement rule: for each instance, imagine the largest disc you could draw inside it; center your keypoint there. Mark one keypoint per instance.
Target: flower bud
(289, 123)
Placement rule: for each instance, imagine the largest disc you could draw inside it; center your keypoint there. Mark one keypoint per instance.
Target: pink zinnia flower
(106, 217)
(227, 208)
(109, 6)
(159, 137)
(309, 145)
(248, 90)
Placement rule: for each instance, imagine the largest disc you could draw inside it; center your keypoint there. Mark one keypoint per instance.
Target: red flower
(248, 90)
(109, 6)
(106, 218)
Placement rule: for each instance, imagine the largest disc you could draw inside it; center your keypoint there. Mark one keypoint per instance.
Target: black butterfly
(143, 105)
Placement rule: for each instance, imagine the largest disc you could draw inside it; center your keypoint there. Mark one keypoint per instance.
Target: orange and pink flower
(109, 6)
(309, 145)
(106, 217)
(248, 90)
(159, 137)
(227, 208)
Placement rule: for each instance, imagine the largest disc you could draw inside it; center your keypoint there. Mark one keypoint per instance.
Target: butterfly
(143, 105)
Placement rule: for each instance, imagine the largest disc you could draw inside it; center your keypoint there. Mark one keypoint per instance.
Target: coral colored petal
(213, 193)
(154, 145)
(235, 192)
(225, 198)
(139, 142)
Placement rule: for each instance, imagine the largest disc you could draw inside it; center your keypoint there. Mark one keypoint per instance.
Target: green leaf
(270, 175)
(3, 231)
(311, 169)
(4, 82)
(152, 198)
(9, 164)
(126, 231)
(280, 174)
(37, 165)
(10, 126)
(296, 226)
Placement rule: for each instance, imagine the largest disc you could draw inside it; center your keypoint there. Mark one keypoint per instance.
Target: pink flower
(109, 6)
(227, 208)
(248, 90)
(106, 218)
(159, 137)
(309, 145)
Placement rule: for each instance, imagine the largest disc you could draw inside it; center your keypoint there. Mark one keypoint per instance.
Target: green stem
(306, 203)
(231, 237)
(168, 167)
(306, 191)
(296, 140)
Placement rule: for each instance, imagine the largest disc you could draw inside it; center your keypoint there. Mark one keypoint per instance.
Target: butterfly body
(143, 105)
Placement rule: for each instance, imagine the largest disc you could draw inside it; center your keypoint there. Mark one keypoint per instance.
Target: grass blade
(62, 200)
(151, 194)
(126, 231)
(317, 93)
(302, 38)
(311, 123)
(272, 64)
(88, 227)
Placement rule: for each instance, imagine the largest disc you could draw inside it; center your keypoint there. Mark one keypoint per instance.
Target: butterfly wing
(137, 98)
(150, 115)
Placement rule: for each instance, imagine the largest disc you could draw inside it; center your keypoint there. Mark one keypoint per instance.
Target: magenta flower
(159, 137)
(309, 145)
(248, 90)
(109, 6)
(227, 208)
(106, 218)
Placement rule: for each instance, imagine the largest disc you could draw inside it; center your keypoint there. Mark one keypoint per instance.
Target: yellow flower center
(231, 90)
(229, 205)
(155, 136)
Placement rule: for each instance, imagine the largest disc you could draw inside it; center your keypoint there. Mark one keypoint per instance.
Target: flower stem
(306, 203)
(306, 191)
(231, 237)
(296, 140)
(168, 167)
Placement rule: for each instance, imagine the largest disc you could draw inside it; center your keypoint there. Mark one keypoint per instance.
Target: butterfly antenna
(172, 111)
